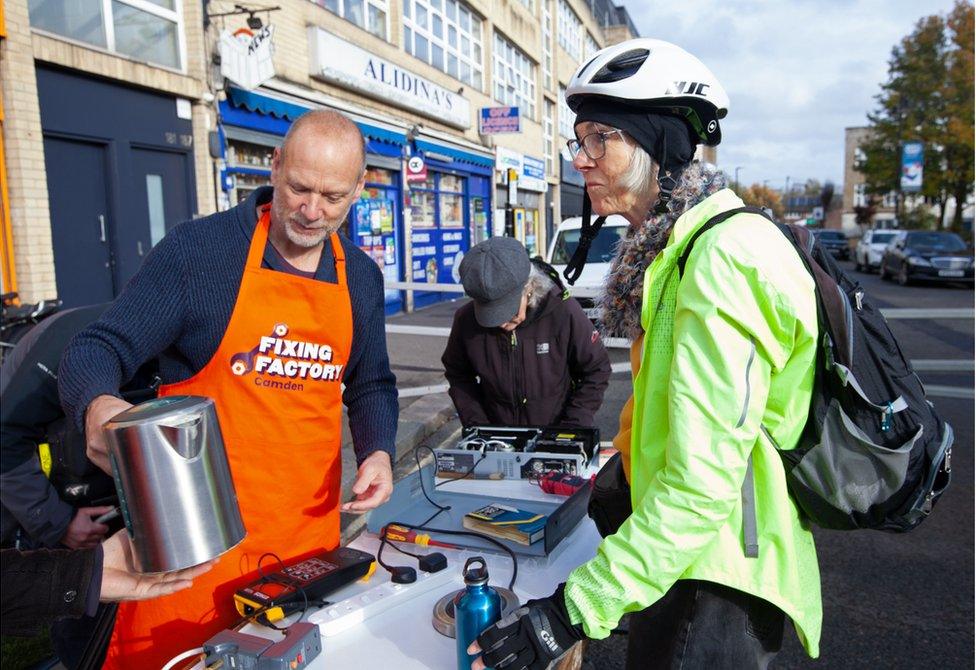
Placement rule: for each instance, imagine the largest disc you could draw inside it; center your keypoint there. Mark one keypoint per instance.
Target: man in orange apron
(284, 344)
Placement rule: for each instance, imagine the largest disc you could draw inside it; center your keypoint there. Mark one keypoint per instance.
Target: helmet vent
(623, 66)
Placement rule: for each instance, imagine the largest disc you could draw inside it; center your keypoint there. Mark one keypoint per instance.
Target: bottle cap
(475, 575)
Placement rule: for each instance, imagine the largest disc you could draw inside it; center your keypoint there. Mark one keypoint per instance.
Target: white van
(591, 281)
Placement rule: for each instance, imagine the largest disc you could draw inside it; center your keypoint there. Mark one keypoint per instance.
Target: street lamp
(737, 168)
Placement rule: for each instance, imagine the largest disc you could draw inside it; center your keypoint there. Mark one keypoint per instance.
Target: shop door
(159, 198)
(80, 225)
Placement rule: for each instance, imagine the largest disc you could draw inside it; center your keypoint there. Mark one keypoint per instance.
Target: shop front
(254, 123)
(521, 188)
(449, 210)
(446, 201)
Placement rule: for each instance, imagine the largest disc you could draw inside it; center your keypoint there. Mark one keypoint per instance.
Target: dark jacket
(28, 405)
(42, 586)
(178, 305)
(551, 370)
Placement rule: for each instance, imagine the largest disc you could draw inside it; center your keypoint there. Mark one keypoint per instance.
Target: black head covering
(667, 138)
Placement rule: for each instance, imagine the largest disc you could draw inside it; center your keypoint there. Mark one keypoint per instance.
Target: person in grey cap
(521, 353)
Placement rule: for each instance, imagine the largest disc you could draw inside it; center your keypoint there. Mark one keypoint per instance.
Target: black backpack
(874, 453)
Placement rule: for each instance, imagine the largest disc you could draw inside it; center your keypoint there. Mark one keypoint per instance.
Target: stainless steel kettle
(175, 489)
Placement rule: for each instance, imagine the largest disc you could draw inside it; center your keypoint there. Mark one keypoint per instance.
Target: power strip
(362, 605)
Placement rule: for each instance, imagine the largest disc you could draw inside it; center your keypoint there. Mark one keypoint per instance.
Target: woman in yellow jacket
(715, 555)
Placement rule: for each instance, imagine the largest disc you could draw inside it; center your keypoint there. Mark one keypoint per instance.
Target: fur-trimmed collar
(620, 302)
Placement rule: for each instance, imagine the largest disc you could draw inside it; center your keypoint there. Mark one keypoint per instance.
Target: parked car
(871, 248)
(927, 256)
(835, 242)
(602, 249)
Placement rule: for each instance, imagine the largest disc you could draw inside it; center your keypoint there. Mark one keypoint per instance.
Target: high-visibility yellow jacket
(727, 366)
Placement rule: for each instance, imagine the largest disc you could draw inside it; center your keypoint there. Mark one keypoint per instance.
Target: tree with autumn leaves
(928, 97)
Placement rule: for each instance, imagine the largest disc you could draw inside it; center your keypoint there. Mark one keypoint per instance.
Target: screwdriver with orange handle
(400, 534)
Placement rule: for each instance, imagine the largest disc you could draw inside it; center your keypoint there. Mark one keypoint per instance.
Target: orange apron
(275, 380)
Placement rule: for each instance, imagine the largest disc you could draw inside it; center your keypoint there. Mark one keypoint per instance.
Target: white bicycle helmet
(656, 75)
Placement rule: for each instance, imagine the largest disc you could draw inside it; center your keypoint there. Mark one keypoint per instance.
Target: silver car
(871, 248)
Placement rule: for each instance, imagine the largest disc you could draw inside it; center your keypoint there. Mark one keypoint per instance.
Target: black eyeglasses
(593, 145)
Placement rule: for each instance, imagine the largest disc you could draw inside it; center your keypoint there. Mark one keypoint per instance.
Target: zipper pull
(514, 340)
(858, 296)
(886, 418)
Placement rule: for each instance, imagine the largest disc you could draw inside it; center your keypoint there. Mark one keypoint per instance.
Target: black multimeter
(278, 594)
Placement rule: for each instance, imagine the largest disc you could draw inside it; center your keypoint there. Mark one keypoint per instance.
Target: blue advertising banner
(911, 167)
(494, 120)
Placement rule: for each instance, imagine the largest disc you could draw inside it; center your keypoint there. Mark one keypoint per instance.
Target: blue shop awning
(251, 110)
(456, 154)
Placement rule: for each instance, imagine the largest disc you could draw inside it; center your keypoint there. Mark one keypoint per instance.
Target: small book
(507, 522)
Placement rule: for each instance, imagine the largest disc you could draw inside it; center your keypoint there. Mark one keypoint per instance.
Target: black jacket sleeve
(29, 393)
(589, 367)
(465, 390)
(42, 586)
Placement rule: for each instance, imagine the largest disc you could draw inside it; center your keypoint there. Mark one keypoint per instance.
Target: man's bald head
(326, 123)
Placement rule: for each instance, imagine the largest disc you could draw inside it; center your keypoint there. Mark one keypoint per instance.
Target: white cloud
(797, 73)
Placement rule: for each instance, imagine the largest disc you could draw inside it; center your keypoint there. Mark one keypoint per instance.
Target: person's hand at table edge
(373, 485)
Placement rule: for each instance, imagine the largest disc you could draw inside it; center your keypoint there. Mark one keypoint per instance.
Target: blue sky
(797, 73)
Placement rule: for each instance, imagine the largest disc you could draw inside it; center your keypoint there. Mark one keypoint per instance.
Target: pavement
(425, 418)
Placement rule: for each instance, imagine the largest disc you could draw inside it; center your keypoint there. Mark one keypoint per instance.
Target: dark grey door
(159, 198)
(80, 224)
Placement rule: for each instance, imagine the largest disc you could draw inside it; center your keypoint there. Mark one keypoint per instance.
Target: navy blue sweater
(177, 308)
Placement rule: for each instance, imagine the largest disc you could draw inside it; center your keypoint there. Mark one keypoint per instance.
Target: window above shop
(370, 15)
(567, 119)
(514, 77)
(590, 48)
(548, 135)
(150, 31)
(546, 47)
(447, 35)
(570, 31)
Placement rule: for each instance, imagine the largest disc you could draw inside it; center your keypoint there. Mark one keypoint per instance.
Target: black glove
(532, 636)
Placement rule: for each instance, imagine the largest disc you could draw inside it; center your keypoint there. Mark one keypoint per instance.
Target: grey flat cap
(494, 273)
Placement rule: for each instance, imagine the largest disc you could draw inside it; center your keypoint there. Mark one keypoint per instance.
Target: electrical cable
(198, 651)
(441, 509)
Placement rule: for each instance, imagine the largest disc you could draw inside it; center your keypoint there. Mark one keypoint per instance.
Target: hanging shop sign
(530, 171)
(343, 63)
(495, 120)
(911, 167)
(246, 56)
(416, 169)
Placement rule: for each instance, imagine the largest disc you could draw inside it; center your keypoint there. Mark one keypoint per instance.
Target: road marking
(422, 390)
(441, 331)
(943, 364)
(949, 392)
(928, 313)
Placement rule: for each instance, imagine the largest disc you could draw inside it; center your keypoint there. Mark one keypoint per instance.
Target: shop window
(370, 15)
(147, 30)
(447, 35)
(514, 77)
(250, 166)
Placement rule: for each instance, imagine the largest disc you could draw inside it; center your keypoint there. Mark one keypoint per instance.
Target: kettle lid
(177, 407)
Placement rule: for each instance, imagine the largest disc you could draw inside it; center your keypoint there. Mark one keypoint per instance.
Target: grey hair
(537, 287)
(641, 175)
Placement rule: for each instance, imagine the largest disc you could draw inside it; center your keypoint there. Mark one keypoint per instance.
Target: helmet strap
(667, 180)
(588, 233)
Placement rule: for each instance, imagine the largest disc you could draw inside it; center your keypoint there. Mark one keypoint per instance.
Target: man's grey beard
(307, 242)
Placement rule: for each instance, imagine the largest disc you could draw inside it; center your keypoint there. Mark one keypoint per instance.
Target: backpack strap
(750, 534)
(711, 223)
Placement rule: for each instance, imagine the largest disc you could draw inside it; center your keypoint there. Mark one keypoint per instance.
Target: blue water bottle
(475, 608)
